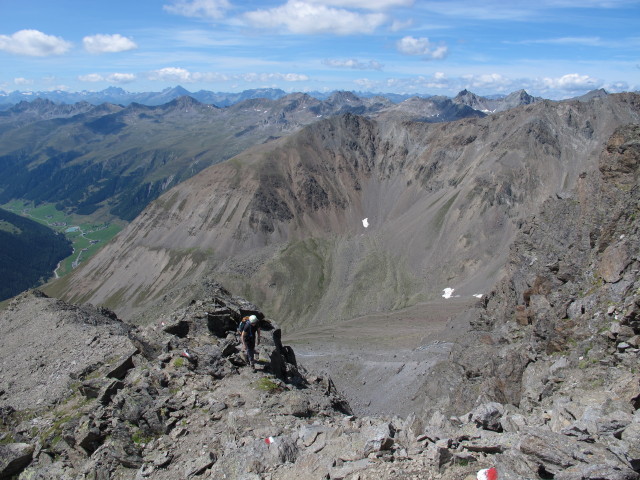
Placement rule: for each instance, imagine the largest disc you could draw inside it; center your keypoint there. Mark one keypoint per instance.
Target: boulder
(377, 438)
(487, 416)
(347, 468)
(614, 260)
(14, 457)
(220, 322)
(631, 436)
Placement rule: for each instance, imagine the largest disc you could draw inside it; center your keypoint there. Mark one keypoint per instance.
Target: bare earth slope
(283, 223)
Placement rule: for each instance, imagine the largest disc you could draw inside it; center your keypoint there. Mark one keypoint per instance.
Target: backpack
(241, 326)
(250, 329)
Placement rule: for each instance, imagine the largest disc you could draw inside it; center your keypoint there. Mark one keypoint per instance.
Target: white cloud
(33, 43)
(22, 81)
(91, 77)
(171, 74)
(266, 77)
(209, 9)
(111, 78)
(572, 81)
(488, 81)
(421, 46)
(617, 87)
(587, 41)
(108, 43)
(365, 83)
(121, 77)
(306, 17)
(412, 84)
(398, 25)
(366, 4)
(353, 64)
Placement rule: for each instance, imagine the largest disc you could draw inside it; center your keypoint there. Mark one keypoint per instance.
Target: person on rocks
(250, 337)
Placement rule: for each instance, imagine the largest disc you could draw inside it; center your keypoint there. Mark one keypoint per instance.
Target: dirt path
(380, 361)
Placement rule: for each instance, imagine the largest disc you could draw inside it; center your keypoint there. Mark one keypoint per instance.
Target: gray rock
(596, 472)
(283, 450)
(631, 435)
(487, 416)
(14, 457)
(613, 423)
(346, 469)
(377, 438)
(555, 453)
(614, 260)
(439, 454)
(199, 465)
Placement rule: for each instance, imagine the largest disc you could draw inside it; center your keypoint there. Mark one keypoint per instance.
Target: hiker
(250, 337)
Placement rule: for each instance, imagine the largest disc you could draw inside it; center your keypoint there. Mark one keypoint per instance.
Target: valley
(85, 236)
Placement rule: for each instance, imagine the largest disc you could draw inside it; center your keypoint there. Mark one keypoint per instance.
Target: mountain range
(114, 160)
(120, 96)
(354, 215)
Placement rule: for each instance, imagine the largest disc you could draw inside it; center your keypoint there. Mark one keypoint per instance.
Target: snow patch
(448, 292)
(365, 222)
(478, 295)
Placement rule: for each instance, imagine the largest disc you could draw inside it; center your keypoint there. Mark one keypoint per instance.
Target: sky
(551, 48)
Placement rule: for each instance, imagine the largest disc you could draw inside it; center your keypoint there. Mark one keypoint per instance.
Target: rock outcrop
(555, 356)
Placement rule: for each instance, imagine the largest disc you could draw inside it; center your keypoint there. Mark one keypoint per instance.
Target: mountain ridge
(118, 95)
(443, 202)
(121, 158)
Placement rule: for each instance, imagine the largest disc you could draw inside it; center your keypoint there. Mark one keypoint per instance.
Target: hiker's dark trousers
(251, 352)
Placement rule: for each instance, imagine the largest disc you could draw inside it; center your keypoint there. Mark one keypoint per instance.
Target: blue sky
(551, 48)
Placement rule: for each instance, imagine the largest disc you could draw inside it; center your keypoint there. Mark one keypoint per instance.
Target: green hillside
(29, 253)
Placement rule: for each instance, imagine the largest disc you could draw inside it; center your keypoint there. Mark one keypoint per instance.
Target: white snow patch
(478, 295)
(365, 222)
(448, 292)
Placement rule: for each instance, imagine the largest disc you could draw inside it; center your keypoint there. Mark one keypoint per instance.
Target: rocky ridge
(491, 105)
(546, 384)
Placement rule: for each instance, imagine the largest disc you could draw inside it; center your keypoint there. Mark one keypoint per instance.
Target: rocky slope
(557, 342)
(283, 224)
(544, 385)
(176, 400)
